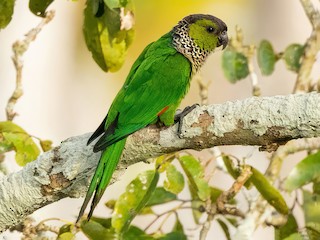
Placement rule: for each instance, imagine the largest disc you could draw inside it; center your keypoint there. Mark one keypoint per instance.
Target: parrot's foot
(178, 118)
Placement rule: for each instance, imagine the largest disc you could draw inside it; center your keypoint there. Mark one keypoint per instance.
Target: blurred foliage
(237, 57)
(291, 227)
(142, 194)
(234, 65)
(108, 31)
(175, 180)
(306, 171)
(39, 7)
(292, 56)
(268, 192)
(195, 174)
(13, 137)
(6, 12)
(131, 202)
(266, 57)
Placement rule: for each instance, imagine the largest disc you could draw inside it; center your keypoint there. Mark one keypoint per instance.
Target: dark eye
(210, 29)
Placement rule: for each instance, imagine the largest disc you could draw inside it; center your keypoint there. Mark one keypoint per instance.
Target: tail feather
(107, 164)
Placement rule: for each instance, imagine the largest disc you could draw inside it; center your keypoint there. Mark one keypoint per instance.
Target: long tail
(107, 164)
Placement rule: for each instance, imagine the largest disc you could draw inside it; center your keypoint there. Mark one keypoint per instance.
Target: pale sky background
(66, 93)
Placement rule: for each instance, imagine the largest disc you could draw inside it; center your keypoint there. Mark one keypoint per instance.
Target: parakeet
(153, 90)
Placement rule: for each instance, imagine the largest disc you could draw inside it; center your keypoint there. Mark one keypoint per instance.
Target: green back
(159, 78)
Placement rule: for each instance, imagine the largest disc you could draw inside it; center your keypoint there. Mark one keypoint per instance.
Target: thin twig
(173, 210)
(226, 196)
(223, 199)
(311, 12)
(312, 47)
(254, 78)
(204, 90)
(206, 227)
(19, 48)
(304, 80)
(248, 51)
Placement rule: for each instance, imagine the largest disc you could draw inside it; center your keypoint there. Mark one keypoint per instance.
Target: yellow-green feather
(201, 37)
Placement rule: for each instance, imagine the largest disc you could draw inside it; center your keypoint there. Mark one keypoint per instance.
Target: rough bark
(65, 171)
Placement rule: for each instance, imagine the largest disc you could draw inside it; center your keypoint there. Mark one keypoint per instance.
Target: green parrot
(152, 92)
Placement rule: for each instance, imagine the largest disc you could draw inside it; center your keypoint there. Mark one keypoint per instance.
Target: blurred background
(67, 94)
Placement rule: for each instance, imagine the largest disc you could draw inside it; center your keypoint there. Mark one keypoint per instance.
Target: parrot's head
(197, 35)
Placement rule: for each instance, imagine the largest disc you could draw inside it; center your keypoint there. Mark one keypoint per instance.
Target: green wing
(159, 79)
(101, 129)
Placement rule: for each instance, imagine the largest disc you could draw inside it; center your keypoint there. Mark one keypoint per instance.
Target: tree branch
(19, 48)
(66, 170)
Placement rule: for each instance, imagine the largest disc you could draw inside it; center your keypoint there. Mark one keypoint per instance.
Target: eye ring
(210, 29)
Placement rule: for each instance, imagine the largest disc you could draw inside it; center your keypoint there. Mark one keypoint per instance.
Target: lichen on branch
(66, 170)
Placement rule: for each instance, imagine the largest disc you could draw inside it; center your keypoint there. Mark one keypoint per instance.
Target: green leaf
(304, 172)
(146, 210)
(175, 183)
(224, 228)
(130, 203)
(100, 228)
(135, 233)
(196, 205)
(232, 170)
(39, 7)
(295, 236)
(66, 236)
(316, 186)
(214, 194)
(292, 56)
(266, 57)
(105, 38)
(26, 149)
(46, 145)
(195, 174)
(160, 196)
(178, 226)
(112, 4)
(269, 193)
(105, 222)
(65, 232)
(96, 231)
(232, 221)
(199, 188)
(313, 230)
(15, 137)
(65, 228)
(110, 204)
(311, 209)
(174, 236)
(6, 12)
(5, 146)
(234, 65)
(286, 230)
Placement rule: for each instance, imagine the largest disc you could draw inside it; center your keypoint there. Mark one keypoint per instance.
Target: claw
(178, 118)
